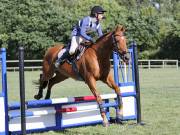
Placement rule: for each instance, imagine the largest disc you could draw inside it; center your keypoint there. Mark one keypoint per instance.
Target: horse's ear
(120, 28)
(123, 29)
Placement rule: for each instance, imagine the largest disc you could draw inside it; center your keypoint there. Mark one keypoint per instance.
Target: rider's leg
(75, 41)
(62, 57)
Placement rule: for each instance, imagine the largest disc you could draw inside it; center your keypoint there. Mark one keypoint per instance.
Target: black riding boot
(61, 59)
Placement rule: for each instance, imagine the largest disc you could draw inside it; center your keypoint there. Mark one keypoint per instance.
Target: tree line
(39, 24)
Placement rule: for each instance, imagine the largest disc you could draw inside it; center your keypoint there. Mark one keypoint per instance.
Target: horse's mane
(100, 38)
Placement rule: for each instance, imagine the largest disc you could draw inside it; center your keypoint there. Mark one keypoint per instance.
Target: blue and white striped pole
(4, 88)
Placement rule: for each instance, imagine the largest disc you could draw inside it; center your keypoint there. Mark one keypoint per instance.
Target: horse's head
(119, 43)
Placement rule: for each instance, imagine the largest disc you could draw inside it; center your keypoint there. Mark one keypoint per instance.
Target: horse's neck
(104, 47)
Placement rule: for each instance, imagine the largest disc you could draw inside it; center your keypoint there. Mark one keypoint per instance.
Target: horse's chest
(104, 64)
(104, 68)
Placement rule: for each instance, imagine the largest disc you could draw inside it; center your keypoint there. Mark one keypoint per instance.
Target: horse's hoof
(105, 124)
(37, 97)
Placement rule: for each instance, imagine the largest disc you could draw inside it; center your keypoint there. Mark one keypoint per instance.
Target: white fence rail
(12, 65)
(158, 63)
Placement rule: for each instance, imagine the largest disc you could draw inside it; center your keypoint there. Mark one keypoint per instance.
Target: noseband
(115, 44)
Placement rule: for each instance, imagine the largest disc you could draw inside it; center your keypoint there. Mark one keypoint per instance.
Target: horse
(93, 65)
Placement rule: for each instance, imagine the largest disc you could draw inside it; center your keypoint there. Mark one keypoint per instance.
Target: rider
(79, 33)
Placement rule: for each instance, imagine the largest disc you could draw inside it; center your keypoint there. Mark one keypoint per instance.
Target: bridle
(115, 44)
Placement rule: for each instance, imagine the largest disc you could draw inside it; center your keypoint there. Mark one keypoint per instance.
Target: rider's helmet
(97, 10)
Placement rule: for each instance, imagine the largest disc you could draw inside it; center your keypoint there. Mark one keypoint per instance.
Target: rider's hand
(93, 41)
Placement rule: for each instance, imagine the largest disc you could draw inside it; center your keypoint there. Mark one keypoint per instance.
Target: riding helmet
(97, 10)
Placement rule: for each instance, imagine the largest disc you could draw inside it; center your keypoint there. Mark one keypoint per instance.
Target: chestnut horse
(93, 65)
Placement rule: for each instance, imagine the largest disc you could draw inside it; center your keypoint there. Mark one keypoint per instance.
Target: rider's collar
(93, 19)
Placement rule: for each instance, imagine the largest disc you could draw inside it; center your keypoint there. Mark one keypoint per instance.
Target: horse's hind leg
(110, 82)
(56, 79)
(42, 85)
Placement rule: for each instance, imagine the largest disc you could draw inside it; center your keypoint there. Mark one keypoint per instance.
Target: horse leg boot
(92, 83)
(102, 110)
(62, 58)
(103, 114)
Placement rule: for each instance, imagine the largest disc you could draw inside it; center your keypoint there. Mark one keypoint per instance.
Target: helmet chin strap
(96, 16)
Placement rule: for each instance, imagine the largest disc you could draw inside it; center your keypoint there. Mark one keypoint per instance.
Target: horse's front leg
(110, 82)
(91, 82)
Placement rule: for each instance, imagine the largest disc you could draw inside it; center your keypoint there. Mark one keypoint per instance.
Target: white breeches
(75, 41)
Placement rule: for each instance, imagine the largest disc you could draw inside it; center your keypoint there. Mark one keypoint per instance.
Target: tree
(37, 25)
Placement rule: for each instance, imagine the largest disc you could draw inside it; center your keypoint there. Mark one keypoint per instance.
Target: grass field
(160, 100)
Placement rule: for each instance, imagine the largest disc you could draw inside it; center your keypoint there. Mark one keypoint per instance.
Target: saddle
(79, 52)
(72, 60)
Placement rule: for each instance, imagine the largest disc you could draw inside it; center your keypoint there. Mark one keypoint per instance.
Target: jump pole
(22, 90)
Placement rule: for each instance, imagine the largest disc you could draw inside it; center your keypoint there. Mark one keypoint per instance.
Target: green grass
(160, 100)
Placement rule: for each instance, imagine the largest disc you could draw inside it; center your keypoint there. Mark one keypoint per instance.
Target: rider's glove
(93, 40)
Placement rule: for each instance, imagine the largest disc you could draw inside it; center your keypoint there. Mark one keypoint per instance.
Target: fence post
(149, 64)
(137, 84)
(22, 90)
(177, 64)
(163, 64)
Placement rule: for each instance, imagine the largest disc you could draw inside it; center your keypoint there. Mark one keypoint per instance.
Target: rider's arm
(83, 28)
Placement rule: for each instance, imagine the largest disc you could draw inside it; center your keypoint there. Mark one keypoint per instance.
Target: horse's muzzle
(125, 57)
